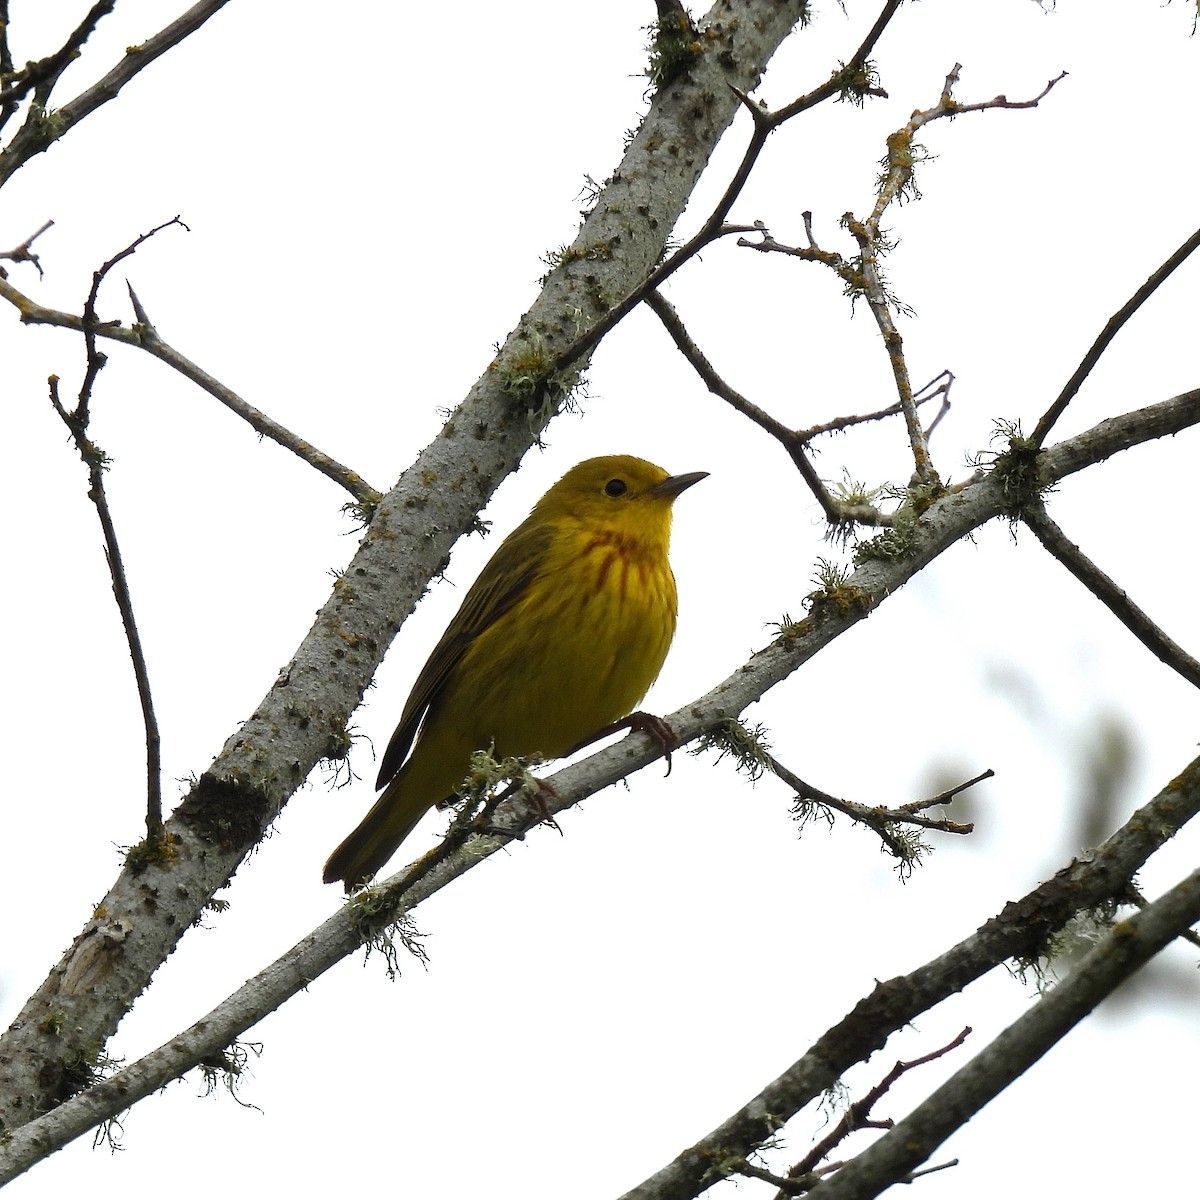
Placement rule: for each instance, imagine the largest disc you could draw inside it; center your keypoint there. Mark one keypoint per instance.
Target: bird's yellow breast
(577, 652)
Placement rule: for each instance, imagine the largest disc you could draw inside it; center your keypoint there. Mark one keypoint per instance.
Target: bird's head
(618, 490)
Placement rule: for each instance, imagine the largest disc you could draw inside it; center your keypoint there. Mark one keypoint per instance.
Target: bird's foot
(655, 728)
(537, 797)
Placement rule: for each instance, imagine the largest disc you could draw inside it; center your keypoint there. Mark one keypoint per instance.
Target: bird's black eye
(615, 488)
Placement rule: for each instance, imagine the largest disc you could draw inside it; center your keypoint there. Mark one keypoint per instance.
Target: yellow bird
(561, 635)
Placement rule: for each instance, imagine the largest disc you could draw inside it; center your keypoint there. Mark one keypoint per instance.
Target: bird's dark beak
(674, 484)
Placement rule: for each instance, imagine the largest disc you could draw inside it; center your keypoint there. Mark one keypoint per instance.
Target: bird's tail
(389, 822)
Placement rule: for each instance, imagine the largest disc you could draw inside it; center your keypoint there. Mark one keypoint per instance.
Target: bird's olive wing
(500, 585)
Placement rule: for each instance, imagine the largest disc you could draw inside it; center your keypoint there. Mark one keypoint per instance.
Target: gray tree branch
(1015, 931)
(303, 717)
(1018, 931)
(1129, 946)
(44, 127)
(145, 337)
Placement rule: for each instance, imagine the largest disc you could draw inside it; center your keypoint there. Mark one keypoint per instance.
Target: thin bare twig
(7, 107)
(1128, 947)
(896, 184)
(149, 339)
(766, 244)
(933, 1170)
(90, 322)
(669, 316)
(943, 383)
(880, 820)
(23, 253)
(1001, 101)
(838, 512)
(716, 226)
(862, 275)
(857, 1115)
(41, 76)
(1021, 927)
(939, 385)
(1111, 596)
(38, 132)
(915, 806)
(666, 313)
(96, 462)
(843, 80)
(143, 336)
(1018, 930)
(1115, 323)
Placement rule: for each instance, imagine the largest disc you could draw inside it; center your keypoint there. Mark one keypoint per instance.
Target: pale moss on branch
(1017, 467)
(382, 922)
(856, 82)
(225, 1070)
(746, 745)
(529, 376)
(834, 588)
(674, 46)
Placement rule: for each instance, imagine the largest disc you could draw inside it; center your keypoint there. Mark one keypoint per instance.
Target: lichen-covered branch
(840, 511)
(43, 126)
(1126, 948)
(862, 274)
(96, 953)
(795, 447)
(1018, 931)
(1111, 596)
(857, 1116)
(303, 716)
(40, 77)
(1114, 326)
(715, 225)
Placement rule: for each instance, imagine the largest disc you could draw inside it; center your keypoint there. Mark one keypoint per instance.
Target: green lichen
(597, 251)
(361, 512)
(674, 46)
(53, 1023)
(746, 745)
(84, 1066)
(853, 492)
(1017, 469)
(226, 1069)
(788, 628)
(898, 166)
(889, 545)
(50, 122)
(835, 590)
(157, 852)
(898, 540)
(1063, 946)
(528, 376)
(384, 926)
(856, 82)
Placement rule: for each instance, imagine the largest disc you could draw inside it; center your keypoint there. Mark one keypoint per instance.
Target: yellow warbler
(561, 635)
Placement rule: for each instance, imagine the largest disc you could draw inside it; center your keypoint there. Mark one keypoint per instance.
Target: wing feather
(501, 584)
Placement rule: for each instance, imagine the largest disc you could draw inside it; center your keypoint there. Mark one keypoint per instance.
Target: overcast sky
(368, 197)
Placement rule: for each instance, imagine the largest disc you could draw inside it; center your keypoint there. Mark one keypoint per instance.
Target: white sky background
(368, 197)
